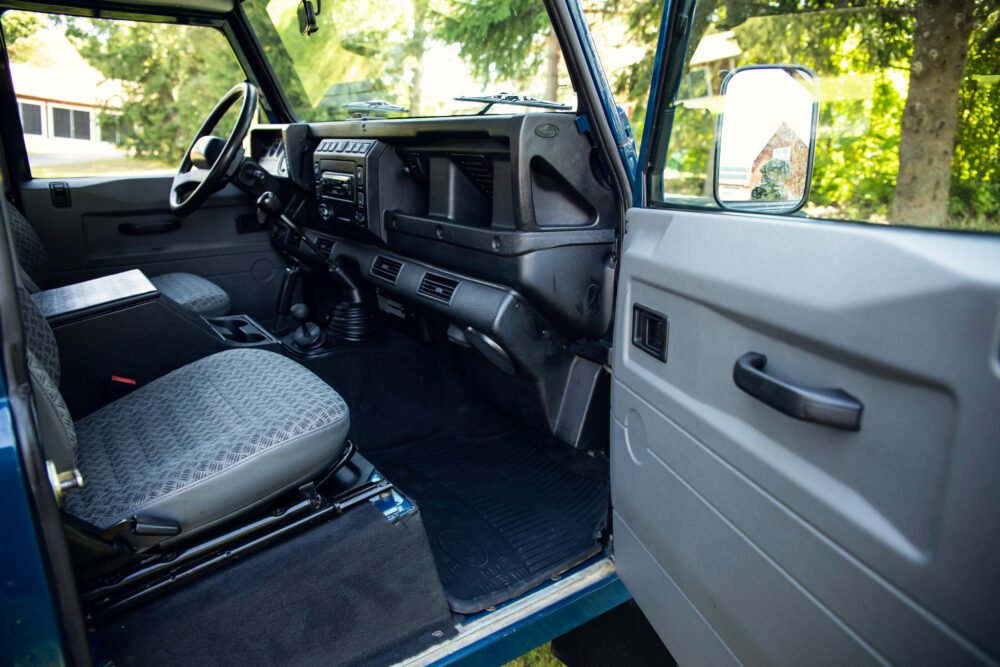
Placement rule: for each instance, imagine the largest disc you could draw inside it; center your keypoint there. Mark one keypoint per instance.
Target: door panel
(746, 533)
(87, 239)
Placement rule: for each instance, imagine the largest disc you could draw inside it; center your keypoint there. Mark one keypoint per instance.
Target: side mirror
(307, 17)
(766, 138)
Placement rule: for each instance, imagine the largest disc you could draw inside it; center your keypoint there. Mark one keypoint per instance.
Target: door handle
(830, 407)
(143, 228)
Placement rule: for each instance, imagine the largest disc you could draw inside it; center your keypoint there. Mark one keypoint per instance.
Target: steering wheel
(208, 160)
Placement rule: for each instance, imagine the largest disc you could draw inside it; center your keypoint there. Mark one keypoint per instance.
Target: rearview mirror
(307, 17)
(766, 138)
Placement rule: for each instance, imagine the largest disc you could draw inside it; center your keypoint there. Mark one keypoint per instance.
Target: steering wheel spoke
(192, 186)
(194, 178)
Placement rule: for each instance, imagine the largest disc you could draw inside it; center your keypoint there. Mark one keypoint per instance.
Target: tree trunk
(708, 190)
(417, 46)
(552, 68)
(930, 117)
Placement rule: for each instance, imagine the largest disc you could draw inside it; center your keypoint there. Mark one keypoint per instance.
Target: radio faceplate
(340, 170)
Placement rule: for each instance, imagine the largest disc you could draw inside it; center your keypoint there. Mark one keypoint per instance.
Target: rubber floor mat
(504, 513)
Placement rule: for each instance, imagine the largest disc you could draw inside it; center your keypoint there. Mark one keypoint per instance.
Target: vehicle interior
(347, 376)
(308, 314)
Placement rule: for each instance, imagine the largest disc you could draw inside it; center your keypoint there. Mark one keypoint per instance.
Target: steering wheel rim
(192, 186)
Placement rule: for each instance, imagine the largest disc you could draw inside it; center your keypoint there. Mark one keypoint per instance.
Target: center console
(118, 332)
(343, 170)
(93, 297)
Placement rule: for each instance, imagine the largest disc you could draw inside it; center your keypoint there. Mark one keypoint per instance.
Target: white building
(60, 97)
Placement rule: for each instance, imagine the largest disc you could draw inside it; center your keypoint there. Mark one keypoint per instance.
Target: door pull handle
(829, 407)
(144, 228)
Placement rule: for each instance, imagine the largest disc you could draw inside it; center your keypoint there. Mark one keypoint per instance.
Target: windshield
(411, 58)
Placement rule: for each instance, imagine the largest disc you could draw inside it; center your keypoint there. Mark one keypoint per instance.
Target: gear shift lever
(307, 335)
(353, 320)
(269, 206)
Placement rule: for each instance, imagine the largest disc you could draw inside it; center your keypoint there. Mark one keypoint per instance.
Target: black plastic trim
(650, 331)
(828, 407)
(145, 228)
(501, 242)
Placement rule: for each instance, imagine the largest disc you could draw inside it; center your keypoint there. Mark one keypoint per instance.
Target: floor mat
(357, 590)
(504, 513)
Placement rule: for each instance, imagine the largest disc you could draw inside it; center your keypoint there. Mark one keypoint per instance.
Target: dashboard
(497, 233)
(517, 202)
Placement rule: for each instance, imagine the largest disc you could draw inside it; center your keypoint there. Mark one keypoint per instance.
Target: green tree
(911, 149)
(353, 56)
(170, 77)
(19, 25)
(975, 184)
(503, 39)
(941, 32)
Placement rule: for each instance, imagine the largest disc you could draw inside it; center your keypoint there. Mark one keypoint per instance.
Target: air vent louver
(437, 287)
(479, 169)
(386, 269)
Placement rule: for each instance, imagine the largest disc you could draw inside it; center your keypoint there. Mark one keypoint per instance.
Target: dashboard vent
(437, 287)
(479, 169)
(386, 269)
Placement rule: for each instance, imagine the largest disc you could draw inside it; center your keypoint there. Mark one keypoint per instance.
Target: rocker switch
(649, 331)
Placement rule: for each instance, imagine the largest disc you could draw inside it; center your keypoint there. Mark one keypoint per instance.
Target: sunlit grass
(112, 166)
(540, 657)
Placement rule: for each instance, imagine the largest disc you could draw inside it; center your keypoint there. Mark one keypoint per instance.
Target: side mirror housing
(766, 138)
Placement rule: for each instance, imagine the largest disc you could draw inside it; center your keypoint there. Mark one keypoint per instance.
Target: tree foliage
(500, 39)
(170, 76)
(863, 51)
(19, 25)
(370, 52)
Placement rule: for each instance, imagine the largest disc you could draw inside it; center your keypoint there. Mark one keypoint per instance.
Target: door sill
(482, 627)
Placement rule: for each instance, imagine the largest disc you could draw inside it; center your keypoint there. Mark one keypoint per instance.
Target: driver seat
(195, 293)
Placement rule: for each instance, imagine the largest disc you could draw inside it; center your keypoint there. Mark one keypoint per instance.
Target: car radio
(340, 169)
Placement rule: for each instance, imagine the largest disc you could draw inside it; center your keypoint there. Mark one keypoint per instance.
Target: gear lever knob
(269, 203)
(307, 335)
(300, 312)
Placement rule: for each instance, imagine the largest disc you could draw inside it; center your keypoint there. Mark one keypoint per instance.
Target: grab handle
(829, 407)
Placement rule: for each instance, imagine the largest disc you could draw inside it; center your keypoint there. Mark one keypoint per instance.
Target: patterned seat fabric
(193, 292)
(31, 254)
(207, 440)
(197, 445)
(190, 291)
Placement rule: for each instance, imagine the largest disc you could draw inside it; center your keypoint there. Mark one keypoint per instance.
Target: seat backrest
(55, 425)
(28, 249)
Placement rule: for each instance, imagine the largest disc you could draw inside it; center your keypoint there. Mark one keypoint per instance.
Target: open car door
(806, 412)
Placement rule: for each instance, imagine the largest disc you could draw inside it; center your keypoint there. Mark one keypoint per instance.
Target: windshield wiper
(514, 100)
(375, 105)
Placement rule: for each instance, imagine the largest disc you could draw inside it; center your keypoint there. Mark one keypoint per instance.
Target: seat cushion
(207, 440)
(194, 293)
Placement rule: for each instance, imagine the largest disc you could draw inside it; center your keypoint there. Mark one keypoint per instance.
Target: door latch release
(650, 331)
